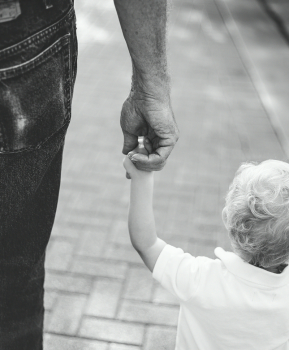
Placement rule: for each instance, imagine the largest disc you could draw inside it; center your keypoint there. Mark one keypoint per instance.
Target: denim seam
(36, 38)
(68, 79)
(36, 61)
(3, 136)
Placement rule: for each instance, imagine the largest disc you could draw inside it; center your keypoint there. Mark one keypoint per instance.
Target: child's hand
(131, 170)
(145, 148)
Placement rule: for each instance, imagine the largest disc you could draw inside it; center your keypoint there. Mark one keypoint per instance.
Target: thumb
(130, 142)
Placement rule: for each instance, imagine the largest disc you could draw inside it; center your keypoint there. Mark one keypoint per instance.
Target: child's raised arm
(141, 222)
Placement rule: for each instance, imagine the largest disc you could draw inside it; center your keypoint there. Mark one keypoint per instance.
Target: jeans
(38, 57)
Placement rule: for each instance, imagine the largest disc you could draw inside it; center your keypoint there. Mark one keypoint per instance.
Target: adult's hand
(149, 115)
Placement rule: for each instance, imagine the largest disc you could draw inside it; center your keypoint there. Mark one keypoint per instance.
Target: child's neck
(272, 269)
(275, 269)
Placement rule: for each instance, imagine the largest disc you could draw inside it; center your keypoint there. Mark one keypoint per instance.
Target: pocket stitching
(57, 46)
(36, 38)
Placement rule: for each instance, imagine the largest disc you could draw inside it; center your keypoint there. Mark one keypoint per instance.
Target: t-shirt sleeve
(178, 272)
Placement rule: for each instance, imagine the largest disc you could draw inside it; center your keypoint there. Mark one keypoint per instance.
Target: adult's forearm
(144, 26)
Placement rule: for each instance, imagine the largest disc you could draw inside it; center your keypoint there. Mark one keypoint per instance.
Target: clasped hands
(150, 116)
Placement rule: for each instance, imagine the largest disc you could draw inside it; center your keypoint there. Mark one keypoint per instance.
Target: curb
(263, 71)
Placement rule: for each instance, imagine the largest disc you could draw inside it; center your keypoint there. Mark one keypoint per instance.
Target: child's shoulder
(188, 259)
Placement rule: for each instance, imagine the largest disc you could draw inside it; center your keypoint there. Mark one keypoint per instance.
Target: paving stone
(79, 217)
(47, 318)
(62, 231)
(99, 268)
(55, 342)
(160, 338)
(123, 347)
(119, 232)
(148, 313)
(122, 253)
(139, 284)
(178, 241)
(112, 330)
(67, 313)
(67, 282)
(197, 249)
(112, 208)
(88, 201)
(59, 254)
(92, 242)
(173, 227)
(207, 227)
(162, 296)
(103, 299)
(49, 299)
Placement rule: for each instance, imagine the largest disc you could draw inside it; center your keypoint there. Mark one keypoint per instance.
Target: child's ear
(225, 216)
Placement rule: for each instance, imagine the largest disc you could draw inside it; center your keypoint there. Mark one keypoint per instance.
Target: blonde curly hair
(257, 213)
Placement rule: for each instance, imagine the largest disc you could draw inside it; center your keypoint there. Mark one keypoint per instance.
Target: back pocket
(35, 98)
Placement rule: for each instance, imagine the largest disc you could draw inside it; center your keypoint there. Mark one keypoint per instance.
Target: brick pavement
(98, 293)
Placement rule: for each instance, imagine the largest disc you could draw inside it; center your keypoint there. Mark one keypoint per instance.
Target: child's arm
(141, 222)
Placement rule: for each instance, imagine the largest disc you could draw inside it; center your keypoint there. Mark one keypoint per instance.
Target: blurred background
(229, 63)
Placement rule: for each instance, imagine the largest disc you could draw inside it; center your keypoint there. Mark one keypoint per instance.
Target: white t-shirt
(226, 303)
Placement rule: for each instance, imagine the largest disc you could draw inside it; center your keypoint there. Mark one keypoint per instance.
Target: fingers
(154, 161)
(130, 142)
(129, 167)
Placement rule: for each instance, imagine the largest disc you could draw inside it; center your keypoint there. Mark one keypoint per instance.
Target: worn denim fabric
(37, 73)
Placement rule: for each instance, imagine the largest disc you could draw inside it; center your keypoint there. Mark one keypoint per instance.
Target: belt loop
(48, 4)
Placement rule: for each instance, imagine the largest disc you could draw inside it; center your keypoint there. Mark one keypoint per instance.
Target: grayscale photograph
(144, 175)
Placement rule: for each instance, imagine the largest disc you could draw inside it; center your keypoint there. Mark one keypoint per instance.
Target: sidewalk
(99, 296)
(258, 29)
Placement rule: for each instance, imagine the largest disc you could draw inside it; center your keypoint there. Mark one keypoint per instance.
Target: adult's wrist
(151, 81)
(145, 89)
